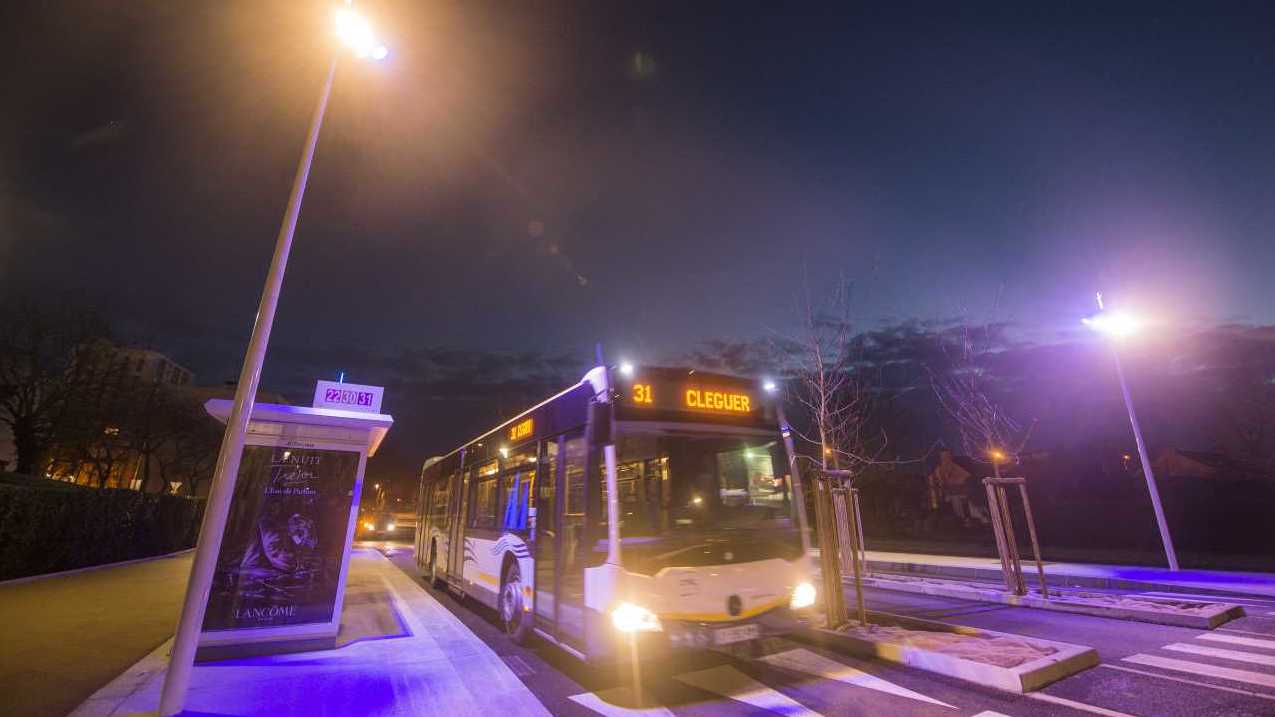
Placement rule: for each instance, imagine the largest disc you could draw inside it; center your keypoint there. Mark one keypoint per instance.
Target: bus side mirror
(600, 421)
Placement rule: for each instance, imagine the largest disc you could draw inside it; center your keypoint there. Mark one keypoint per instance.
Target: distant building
(146, 366)
(136, 422)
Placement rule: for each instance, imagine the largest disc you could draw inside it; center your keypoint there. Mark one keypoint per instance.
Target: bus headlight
(802, 596)
(628, 617)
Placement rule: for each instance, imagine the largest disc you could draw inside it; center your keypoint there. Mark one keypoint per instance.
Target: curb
(1221, 614)
(1068, 660)
(1061, 580)
(89, 568)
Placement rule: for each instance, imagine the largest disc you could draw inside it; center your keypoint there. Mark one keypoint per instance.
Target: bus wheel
(433, 566)
(515, 619)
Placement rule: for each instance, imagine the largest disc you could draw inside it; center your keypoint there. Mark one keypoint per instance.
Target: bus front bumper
(700, 635)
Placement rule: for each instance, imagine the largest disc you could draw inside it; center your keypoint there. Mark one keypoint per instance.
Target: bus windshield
(703, 499)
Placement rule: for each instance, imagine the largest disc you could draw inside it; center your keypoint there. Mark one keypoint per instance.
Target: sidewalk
(1121, 577)
(421, 660)
(67, 635)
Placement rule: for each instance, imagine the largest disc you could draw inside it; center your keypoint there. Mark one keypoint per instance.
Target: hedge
(50, 529)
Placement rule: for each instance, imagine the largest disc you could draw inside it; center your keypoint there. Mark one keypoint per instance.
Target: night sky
(538, 176)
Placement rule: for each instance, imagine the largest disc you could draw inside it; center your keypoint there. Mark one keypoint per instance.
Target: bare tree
(985, 428)
(91, 428)
(834, 387)
(190, 452)
(38, 341)
(1247, 428)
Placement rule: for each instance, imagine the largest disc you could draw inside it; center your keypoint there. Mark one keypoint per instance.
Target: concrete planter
(1060, 660)
(1162, 611)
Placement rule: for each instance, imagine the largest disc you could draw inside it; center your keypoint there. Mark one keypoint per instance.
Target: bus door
(561, 548)
(456, 540)
(573, 544)
(423, 498)
(545, 540)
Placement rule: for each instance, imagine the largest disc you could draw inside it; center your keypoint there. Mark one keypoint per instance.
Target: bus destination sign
(710, 400)
(689, 396)
(522, 429)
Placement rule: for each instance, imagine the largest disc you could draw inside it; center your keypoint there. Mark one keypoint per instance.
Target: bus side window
(483, 512)
(423, 509)
(517, 489)
(546, 489)
(575, 453)
(440, 506)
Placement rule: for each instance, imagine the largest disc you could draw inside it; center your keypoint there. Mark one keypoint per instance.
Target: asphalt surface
(1135, 676)
(66, 636)
(1147, 669)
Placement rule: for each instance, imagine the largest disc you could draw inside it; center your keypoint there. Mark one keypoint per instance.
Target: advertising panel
(280, 558)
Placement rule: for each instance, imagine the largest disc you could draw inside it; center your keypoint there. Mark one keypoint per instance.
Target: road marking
(1237, 640)
(1200, 668)
(1185, 681)
(803, 660)
(518, 665)
(1213, 598)
(730, 682)
(1041, 696)
(1243, 632)
(611, 703)
(1256, 659)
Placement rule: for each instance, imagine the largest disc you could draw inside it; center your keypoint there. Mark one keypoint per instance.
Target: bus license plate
(728, 635)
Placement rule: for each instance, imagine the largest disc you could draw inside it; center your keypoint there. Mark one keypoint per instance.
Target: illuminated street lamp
(355, 33)
(1117, 326)
(998, 457)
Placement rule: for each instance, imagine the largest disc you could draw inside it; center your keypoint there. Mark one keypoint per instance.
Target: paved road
(64, 637)
(67, 636)
(800, 679)
(1146, 669)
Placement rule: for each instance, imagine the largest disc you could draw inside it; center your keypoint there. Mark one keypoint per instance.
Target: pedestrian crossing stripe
(1183, 680)
(1201, 668)
(1237, 655)
(811, 663)
(612, 703)
(1083, 707)
(1238, 640)
(730, 682)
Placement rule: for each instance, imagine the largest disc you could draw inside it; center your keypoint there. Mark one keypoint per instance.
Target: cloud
(102, 134)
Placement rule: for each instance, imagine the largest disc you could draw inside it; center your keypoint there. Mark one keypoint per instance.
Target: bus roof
(665, 394)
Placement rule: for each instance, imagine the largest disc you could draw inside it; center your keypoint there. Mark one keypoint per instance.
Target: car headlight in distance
(390, 526)
(802, 596)
(628, 617)
(370, 526)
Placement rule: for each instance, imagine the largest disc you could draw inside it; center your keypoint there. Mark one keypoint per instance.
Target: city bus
(641, 506)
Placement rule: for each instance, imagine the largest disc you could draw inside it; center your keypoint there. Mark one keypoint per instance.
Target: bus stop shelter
(279, 581)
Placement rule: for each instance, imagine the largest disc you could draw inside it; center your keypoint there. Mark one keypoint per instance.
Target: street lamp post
(355, 33)
(1117, 326)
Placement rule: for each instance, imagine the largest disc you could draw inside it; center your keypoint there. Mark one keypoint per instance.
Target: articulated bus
(649, 506)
